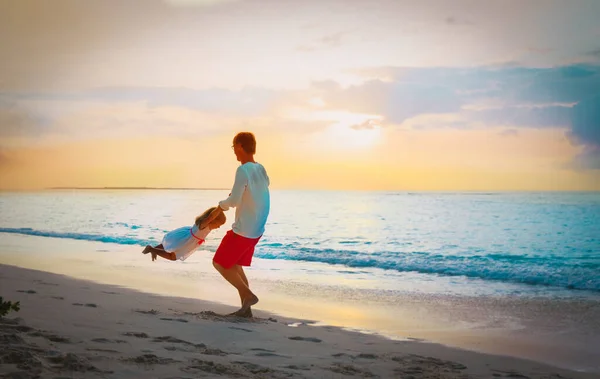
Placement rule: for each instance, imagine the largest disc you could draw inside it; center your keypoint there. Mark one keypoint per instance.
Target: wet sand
(77, 328)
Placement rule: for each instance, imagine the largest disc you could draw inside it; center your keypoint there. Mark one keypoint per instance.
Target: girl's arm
(214, 214)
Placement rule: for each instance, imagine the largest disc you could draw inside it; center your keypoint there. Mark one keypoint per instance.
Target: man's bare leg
(244, 279)
(233, 276)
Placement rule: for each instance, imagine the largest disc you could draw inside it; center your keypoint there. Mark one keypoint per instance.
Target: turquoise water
(518, 242)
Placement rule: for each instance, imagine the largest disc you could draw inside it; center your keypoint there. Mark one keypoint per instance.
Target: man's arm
(234, 198)
(239, 185)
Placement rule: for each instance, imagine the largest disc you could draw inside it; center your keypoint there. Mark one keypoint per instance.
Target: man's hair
(247, 140)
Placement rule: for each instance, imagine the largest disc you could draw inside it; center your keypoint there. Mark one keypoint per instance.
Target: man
(251, 199)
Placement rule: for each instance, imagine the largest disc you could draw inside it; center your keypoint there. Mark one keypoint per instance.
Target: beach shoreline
(96, 318)
(557, 331)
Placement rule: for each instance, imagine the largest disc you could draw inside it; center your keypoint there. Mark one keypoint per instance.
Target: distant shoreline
(137, 188)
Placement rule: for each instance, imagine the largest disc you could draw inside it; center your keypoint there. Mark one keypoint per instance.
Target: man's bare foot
(146, 249)
(241, 313)
(248, 302)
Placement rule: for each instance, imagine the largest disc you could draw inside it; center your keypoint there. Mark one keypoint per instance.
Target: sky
(465, 95)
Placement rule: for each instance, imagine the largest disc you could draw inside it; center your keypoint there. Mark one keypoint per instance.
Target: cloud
(248, 101)
(571, 83)
(518, 97)
(476, 97)
(540, 50)
(585, 130)
(329, 41)
(593, 53)
(585, 121)
(509, 133)
(198, 3)
(369, 124)
(539, 116)
(396, 102)
(17, 122)
(4, 158)
(513, 84)
(110, 113)
(451, 20)
(589, 159)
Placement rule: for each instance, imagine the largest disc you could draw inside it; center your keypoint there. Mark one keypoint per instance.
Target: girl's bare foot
(154, 255)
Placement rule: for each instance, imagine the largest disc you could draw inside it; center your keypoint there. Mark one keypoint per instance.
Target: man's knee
(220, 267)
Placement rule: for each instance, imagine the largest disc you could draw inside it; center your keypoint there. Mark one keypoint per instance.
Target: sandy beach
(73, 328)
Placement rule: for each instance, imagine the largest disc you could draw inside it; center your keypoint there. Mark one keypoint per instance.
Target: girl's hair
(221, 217)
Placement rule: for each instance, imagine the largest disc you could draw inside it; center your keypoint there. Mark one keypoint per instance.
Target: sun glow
(346, 137)
(349, 130)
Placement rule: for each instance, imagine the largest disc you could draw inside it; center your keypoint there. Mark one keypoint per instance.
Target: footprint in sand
(90, 305)
(340, 355)
(27, 291)
(255, 369)
(9, 325)
(177, 340)
(350, 370)
(57, 297)
(14, 339)
(309, 339)
(150, 312)
(105, 340)
(149, 359)
(267, 354)
(296, 367)
(136, 334)
(111, 293)
(50, 337)
(44, 283)
(212, 316)
(367, 356)
(72, 362)
(103, 350)
(242, 329)
(261, 349)
(509, 374)
(212, 368)
(199, 347)
(173, 319)
(217, 352)
(424, 366)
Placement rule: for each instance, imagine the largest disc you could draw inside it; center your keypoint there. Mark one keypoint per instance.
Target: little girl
(182, 242)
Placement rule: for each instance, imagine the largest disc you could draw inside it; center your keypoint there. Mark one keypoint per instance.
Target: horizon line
(138, 188)
(408, 191)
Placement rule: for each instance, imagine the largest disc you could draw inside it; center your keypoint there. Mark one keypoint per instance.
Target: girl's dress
(184, 241)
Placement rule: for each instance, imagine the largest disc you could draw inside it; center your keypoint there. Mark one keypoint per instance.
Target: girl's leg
(148, 247)
(160, 252)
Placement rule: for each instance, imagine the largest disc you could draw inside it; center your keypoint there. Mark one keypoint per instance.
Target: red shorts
(235, 249)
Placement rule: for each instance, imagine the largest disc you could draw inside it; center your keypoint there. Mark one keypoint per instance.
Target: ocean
(475, 244)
